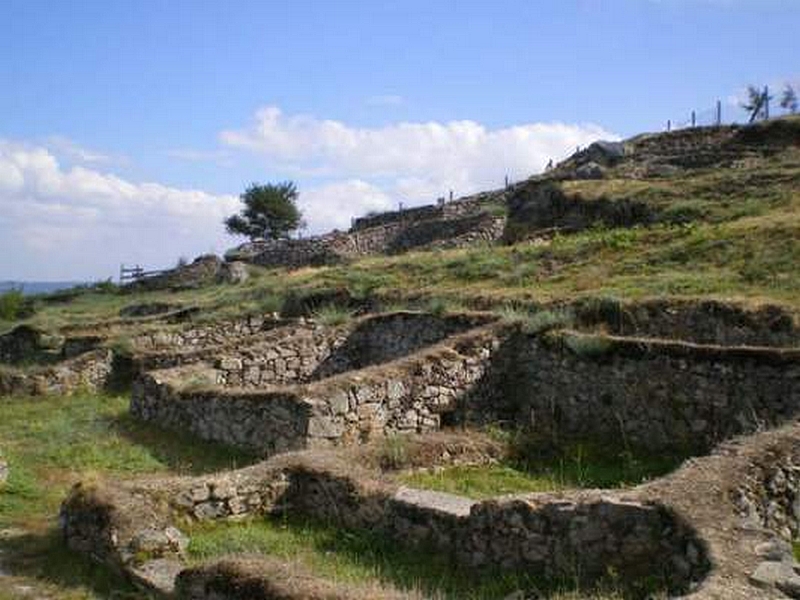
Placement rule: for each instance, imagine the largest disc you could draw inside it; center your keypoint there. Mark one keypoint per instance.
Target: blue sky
(128, 128)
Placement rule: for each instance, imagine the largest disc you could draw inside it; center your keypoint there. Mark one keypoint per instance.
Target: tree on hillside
(789, 99)
(270, 212)
(757, 101)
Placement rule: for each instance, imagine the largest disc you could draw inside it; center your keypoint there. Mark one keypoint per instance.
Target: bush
(393, 452)
(332, 315)
(538, 322)
(13, 306)
(588, 346)
(546, 320)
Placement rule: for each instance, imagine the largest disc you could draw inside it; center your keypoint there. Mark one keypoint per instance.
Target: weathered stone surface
(779, 575)
(234, 272)
(248, 411)
(450, 504)
(590, 170)
(90, 370)
(158, 574)
(657, 394)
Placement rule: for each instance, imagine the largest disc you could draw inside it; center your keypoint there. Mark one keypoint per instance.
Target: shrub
(13, 305)
(538, 322)
(332, 315)
(683, 212)
(393, 452)
(546, 320)
(105, 287)
(588, 346)
(604, 309)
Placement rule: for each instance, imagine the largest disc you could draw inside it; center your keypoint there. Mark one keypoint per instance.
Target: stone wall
(258, 351)
(384, 338)
(90, 370)
(456, 224)
(581, 537)
(698, 321)
(201, 271)
(542, 205)
(649, 393)
(201, 336)
(769, 492)
(408, 394)
(348, 385)
(20, 344)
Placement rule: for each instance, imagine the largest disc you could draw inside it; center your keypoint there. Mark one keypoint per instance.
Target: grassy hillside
(729, 231)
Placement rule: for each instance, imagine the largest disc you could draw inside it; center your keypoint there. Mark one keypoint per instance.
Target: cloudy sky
(128, 129)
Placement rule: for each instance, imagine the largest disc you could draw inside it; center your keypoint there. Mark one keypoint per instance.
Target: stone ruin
(303, 394)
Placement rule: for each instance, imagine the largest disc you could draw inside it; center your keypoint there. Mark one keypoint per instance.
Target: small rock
(774, 550)
(779, 575)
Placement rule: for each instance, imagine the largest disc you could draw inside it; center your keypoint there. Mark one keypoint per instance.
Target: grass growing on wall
(351, 556)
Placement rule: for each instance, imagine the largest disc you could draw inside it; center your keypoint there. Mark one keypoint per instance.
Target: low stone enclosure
(719, 527)
(304, 394)
(310, 386)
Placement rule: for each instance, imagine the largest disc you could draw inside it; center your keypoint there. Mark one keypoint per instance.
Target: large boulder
(233, 272)
(606, 154)
(590, 170)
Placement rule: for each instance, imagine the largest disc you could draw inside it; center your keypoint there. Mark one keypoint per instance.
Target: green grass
(332, 315)
(52, 442)
(721, 233)
(579, 466)
(347, 556)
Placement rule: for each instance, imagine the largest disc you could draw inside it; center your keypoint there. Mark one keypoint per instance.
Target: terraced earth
(600, 403)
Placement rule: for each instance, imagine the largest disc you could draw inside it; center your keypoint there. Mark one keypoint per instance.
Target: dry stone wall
(90, 370)
(20, 344)
(769, 493)
(450, 225)
(579, 537)
(648, 393)
(698, 321)
(331, 386)
(408, 394)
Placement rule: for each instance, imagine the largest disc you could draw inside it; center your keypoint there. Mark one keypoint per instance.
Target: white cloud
(331, 206)
(72, 151)
(415, 161)
(63, 223)
(63, 217)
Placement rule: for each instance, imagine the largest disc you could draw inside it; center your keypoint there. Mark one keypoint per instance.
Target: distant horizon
(134, 145)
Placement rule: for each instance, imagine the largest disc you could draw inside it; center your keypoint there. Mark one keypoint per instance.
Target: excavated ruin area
(325, 402)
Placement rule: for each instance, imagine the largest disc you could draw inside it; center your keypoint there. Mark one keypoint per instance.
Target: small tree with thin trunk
(270, 212)
(789, 99)
(756, 103)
